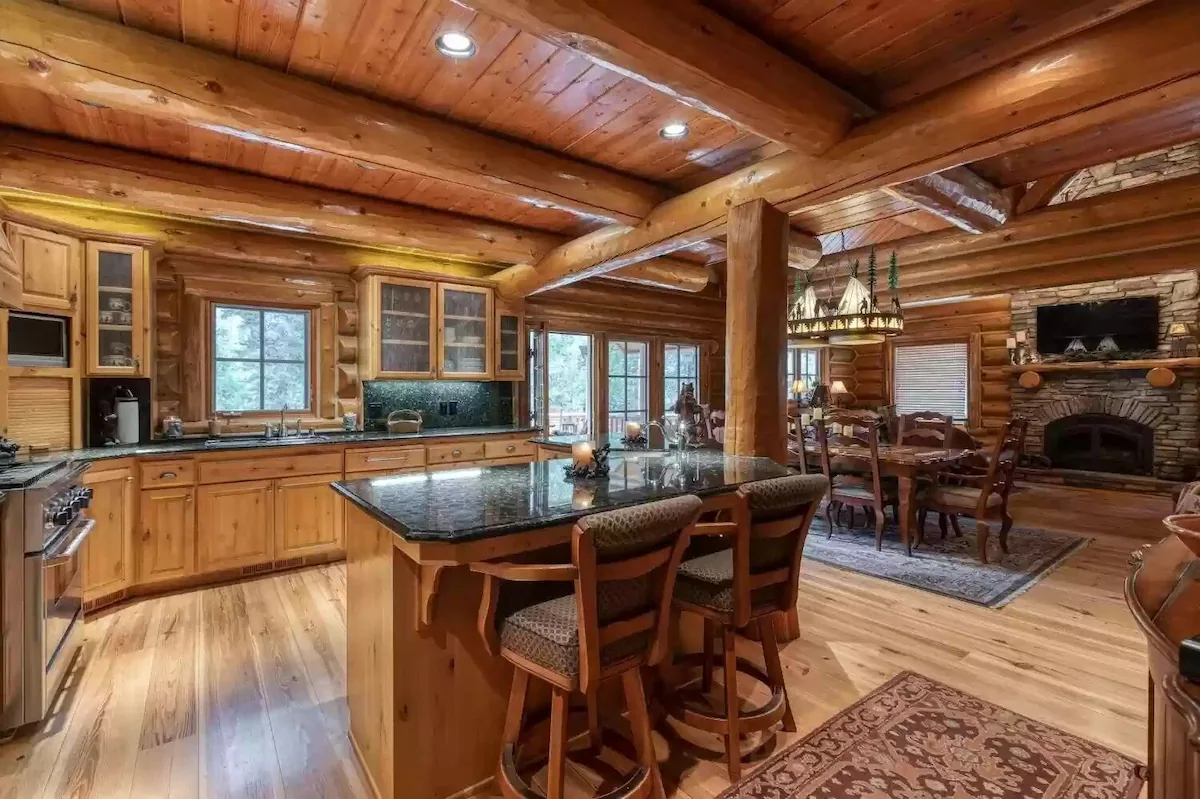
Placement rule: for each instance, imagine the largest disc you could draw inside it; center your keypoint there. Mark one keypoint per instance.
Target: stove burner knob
(85, 495)
(63, 516)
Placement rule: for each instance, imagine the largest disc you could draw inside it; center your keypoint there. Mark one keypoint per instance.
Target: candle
(818, 413)
(1011, 343)
(632, 430)
(806, 419)
(581, 453)
(1021, 334)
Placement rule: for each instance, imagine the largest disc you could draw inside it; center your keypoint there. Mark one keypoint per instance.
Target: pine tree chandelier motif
(857, 319)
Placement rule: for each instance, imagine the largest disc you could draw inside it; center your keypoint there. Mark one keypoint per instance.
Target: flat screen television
(1133, 324)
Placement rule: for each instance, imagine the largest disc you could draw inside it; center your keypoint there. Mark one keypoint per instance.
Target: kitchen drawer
(378, 459)
(237, 470)
(160, 474)
(377, 473)
(454, 453)
(515, 448)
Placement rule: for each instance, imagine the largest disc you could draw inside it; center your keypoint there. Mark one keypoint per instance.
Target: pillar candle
(632, 430)
(581, 453)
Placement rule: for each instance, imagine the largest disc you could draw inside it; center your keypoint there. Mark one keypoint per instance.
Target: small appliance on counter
(118, 411)
(404, 420)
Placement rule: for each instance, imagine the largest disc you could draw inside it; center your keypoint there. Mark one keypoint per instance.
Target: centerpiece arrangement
(587, 463)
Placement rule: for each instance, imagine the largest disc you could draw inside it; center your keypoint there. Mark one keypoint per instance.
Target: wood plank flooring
(239, 690)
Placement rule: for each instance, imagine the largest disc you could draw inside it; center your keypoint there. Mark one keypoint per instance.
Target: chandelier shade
(858, 318)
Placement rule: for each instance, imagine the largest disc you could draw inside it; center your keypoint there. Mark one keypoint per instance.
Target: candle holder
(640, 441)
(593, 469)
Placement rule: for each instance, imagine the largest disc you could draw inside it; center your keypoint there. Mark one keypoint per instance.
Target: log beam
(70, 55)
(45, 165)
(756, 331)
(1059, 89)
(959, 196)
(1043, 191)
(696, 56)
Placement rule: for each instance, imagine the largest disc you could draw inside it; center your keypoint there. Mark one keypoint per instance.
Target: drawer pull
(456, 452)
(511, 448)
(385, 460)
(167, 475)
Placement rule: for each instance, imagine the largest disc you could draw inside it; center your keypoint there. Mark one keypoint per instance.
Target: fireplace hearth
(1100, 442)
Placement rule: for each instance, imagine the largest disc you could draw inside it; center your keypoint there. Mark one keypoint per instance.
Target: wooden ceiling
(524, 89)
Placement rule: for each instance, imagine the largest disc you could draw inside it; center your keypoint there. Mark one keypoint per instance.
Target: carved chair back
(852, 431)
(926, 429)
(626, 563)
(1002, 466)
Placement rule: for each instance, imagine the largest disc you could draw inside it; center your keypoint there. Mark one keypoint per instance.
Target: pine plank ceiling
(521, 87)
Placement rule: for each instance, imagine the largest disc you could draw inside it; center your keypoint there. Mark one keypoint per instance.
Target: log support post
(756, 331)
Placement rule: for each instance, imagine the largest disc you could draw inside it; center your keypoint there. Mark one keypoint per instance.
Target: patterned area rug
(948, 567)
(915, 738)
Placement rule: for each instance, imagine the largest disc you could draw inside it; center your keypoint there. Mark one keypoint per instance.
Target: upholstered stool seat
(613, 622)
(754, 579)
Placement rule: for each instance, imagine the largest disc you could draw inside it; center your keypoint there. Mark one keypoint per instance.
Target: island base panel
(426, 708)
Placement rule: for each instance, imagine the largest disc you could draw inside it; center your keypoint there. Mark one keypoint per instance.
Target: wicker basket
(404, 421)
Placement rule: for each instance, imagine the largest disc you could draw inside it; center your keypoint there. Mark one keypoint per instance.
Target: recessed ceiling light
(675, 130)
(455, 44)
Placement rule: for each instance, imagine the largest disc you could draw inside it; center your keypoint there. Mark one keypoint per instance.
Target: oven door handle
(70, 545)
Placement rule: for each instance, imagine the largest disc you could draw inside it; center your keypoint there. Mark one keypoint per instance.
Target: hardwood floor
(239, 690)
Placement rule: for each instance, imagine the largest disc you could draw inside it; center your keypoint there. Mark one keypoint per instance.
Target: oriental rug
(948, 566)
(915, 738)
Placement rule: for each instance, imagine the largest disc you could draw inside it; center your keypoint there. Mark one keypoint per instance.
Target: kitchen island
(426, 700)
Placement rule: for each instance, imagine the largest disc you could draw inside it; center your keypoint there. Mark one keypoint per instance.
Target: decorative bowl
(1186, 527)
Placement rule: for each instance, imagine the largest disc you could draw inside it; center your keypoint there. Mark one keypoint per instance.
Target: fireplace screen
(1099, 442)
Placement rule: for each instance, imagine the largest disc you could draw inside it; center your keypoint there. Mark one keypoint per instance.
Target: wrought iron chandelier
(857, 319)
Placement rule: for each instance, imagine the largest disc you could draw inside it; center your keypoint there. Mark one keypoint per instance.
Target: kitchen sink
(262, 441)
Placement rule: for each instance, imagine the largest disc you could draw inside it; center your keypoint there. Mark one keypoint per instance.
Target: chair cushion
(964, 497)
(707, 581)
(548, 634)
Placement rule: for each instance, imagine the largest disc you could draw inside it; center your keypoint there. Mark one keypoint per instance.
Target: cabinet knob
(456, 452)
(167, 475)
(129, 479)
(189, 497)
(511, 448)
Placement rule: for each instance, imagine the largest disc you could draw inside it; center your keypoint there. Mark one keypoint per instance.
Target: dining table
(905, 462)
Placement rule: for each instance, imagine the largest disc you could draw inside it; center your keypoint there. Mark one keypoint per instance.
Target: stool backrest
(627, 560)
(773, 517)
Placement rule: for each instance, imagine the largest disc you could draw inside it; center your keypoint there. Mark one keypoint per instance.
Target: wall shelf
(1104, 366)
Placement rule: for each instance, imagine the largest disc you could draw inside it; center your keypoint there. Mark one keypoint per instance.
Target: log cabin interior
(565, 398)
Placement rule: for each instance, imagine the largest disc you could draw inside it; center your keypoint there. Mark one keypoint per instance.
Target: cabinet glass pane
(510, 344)
(404, 328)
(464, 349)
(114, 311)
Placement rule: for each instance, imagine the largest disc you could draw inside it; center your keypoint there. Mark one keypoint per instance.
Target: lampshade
(799, 386)
(1181, 330)
(838, 387)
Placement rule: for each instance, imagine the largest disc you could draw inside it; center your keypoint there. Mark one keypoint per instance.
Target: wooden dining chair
(926, 429)
(850, 486)
(745, 585)
(614, 621)
(983, 497)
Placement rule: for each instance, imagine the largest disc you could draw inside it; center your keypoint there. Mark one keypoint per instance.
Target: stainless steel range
(43, 524)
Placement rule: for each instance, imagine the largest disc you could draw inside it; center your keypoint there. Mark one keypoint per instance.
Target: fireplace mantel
(1104, 366)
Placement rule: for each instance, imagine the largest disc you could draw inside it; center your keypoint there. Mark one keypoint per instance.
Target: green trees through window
(260, 359)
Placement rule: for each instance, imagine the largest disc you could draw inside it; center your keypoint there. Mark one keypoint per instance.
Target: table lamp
(1181, 334)
(840, 393)
(798, 389)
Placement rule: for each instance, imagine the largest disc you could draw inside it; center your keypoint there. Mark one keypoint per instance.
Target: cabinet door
(405, 324)
(118, 315)
(465, 315)
(108, 551)
(235, 525)
(308, 516)
(166, 547)
(510, 344)
(50, 268)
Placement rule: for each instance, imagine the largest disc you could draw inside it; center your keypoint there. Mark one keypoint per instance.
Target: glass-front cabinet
(118, 310)
(466, 332)
(510, 341)
(401, 324)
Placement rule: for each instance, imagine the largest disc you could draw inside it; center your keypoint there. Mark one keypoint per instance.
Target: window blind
(931, 377)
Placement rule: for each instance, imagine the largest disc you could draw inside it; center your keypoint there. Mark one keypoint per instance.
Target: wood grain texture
(959, 196)
(41, 410)
(165, 683)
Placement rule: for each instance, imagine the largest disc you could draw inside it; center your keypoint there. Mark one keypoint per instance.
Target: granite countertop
(468, 504)
(28, 470)
(655, 442)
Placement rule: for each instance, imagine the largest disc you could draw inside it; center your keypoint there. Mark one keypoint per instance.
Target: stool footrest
(752, 720)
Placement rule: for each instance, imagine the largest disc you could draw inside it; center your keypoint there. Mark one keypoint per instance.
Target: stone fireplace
(1114, 421)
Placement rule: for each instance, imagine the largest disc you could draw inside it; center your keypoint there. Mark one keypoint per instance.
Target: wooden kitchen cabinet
(118, 310)
(166, 547)
(308, 516)
(12, 282)
(50, 265)
(510, 343)
(108, 551)
(235, 525)
(399, 328)
(465, 332)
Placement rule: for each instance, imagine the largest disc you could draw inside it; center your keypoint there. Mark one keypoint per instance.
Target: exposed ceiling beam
(65, 168)
(693, 54)
(959, 196)
(71, 55)
(1064, 87)
(1043, 191)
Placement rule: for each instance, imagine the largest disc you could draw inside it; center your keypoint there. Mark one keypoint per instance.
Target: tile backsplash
(442, 403)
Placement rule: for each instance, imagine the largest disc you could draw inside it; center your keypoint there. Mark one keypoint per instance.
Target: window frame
(791, 370)
(667, 399)
(648, 361)
(544, 333)
(310, 331)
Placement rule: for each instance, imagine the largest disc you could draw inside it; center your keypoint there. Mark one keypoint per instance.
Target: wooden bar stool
(615, 621)
(751, 582)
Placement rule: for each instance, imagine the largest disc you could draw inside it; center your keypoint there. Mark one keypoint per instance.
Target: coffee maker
(118, 411)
